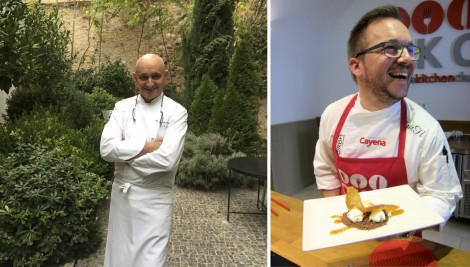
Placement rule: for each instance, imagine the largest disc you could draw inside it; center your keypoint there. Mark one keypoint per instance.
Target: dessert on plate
(364, 215)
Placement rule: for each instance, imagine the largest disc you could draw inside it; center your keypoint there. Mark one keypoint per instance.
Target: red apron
(371, 173)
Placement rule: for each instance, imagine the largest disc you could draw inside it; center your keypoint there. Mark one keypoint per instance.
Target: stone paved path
(201, 234)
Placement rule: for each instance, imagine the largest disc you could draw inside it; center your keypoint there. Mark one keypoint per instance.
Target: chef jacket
(134, 122)
(141, 197)
(365, 134)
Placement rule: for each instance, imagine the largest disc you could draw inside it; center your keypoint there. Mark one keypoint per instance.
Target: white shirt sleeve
(115, 148)
(167, 157)
(438, 182)
(326, 175)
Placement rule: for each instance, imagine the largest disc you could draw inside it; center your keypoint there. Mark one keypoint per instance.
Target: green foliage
(212, 62)
(33, 56)
(101, 100)
(114, 77)
(253, 28)
(207, 46)
(171, 91)
(204, 162)
(217, 119)
(244, 73)
(201, 108)
(83, 99)
(241, 122)
(33, 50)
(83, 79)
(240, 106)
(78, 109)
(22, 101)
(47, 207)
(52, 129)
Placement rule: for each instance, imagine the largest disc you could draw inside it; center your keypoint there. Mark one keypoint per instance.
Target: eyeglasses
(394, 50)
(161, 110)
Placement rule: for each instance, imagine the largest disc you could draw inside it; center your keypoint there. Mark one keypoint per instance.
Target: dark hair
(357, 39)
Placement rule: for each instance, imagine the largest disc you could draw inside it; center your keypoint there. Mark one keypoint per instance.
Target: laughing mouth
(399, 75)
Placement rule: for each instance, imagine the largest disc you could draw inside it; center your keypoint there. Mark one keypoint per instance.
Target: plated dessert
(364, 215)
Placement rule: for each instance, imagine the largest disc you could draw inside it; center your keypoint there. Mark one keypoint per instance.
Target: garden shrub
(204, 163)
(49, 128)
(83, 80)
(48, 206)
(23, 101)
(92, 134)
(34, 46)
(78, 109)
(101, 100)
(114, 77)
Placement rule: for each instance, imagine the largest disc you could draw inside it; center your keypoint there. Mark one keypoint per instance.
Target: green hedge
(48, 206)
(46, 127)
(204, 163)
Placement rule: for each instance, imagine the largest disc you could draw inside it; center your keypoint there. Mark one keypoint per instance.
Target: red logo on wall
(428, 16)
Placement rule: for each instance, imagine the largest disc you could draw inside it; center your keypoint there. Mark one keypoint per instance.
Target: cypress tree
(216, 122)
(240, 108)
(207, 46)
(201, 108)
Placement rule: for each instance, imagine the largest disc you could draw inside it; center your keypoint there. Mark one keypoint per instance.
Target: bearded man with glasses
(378, 138)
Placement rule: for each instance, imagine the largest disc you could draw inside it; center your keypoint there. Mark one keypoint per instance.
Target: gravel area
(201, 235)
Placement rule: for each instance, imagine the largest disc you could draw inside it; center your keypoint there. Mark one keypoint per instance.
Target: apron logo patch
(372, 142)
(339, 143)
(359, 181)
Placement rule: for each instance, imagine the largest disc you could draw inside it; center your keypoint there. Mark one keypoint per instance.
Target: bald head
(150, 59)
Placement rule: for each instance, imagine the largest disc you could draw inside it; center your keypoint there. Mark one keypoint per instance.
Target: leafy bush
(114, 77)
(23, 101)
(101, 100)
(204, 163)
(48, 207)
(45, 127)
(78, 109)
(83, 80)
(34, 46)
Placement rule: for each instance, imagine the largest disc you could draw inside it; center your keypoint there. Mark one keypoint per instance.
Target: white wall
(309, 63)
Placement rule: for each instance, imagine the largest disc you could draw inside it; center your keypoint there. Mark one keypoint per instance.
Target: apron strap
(339, 127)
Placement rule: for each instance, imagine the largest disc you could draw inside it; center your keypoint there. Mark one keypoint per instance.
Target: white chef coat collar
(153, 102)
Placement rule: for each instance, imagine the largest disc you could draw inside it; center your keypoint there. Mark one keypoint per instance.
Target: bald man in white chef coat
(144, 138)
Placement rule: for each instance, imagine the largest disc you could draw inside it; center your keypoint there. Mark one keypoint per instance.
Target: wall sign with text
(428, 17)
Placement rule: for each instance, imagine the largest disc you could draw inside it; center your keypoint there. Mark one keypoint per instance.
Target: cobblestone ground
(201, 234)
